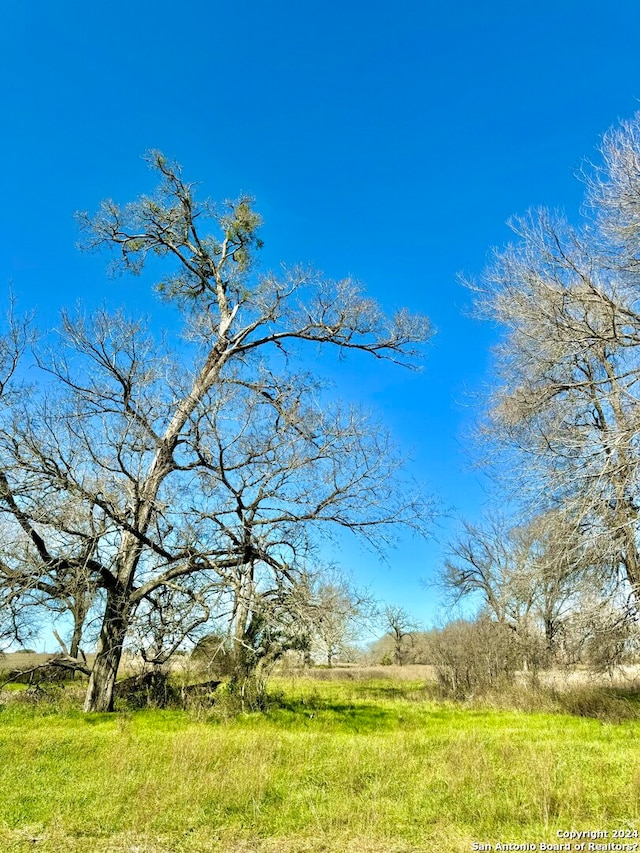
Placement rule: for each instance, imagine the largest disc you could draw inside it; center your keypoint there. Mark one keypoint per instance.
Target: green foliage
(164, 224)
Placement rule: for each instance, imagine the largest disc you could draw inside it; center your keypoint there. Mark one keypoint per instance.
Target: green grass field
(372, 766)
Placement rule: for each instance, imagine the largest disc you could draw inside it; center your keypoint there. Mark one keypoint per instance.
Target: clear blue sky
(388, 141)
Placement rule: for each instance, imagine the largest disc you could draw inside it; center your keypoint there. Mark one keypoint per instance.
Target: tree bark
(105, 669)
(79, 616)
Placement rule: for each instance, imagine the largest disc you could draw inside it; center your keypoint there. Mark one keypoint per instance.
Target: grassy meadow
(351, 764)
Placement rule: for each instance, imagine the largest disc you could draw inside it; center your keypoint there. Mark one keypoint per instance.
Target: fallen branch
(59, 662)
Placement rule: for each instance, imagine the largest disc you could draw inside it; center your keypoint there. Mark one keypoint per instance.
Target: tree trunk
(105, 669)
(399, 651)
(79, 615)
(74, 648)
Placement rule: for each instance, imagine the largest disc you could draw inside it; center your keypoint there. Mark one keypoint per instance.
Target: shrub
(471, 658)
(214, 653)
(151, 689)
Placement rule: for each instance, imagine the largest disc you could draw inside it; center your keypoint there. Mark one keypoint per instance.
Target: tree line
(155, 489)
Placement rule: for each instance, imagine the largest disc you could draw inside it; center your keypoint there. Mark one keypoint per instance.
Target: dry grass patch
(353, 672)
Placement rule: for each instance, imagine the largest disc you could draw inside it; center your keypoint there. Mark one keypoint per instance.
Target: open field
(361, 765)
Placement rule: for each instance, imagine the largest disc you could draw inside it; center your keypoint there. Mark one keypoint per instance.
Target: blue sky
(387, 141)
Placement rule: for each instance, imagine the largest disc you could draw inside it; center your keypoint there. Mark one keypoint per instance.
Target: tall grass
(361, 766)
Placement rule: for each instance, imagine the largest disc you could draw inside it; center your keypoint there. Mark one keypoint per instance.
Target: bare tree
(485, 561)
(337, 613)
(400, 625)
(160, 455)
(335, 617)
(527, 576)
(566, 407)
(18, 610)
